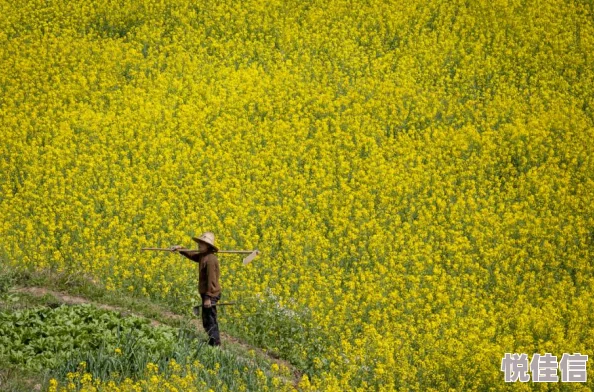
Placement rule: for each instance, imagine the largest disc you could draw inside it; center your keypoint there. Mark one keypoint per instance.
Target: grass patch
(42, 338)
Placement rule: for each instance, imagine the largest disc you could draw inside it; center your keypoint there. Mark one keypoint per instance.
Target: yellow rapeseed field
(417, 174)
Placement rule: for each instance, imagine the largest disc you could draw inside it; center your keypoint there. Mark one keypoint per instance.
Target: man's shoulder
(211, 258)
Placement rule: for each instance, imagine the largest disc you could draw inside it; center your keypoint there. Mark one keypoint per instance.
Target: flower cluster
(175, 379)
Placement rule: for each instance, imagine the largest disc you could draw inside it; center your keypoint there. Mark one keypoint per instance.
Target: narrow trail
(226, 338)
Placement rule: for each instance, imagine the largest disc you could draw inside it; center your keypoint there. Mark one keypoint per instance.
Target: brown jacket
(208, 267)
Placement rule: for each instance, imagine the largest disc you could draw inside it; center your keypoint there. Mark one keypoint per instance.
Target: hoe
(251, 253)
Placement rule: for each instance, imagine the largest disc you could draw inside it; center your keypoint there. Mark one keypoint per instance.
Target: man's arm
(190, 254)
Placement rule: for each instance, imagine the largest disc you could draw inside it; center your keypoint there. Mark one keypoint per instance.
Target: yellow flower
(53, 385)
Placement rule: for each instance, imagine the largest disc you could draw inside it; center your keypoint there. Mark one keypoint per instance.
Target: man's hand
(175, 248)
(207, 303)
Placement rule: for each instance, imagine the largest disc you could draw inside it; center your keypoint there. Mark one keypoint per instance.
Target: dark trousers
(209, 321)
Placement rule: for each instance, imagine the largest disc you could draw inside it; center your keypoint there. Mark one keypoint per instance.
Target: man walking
(208, 282)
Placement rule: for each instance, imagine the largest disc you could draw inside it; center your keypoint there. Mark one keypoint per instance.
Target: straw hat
(207, 238)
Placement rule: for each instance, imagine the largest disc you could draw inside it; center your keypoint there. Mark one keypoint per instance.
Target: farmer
(208, 283)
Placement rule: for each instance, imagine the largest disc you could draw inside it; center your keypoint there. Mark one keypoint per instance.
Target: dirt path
(74, 300)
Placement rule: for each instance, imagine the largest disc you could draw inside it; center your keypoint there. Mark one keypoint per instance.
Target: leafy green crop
(56, 341)
(43, 338)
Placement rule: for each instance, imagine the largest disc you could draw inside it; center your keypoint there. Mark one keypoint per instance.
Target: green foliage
(7, 279)
(42, 338)
(53, 343)
(281, 329)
